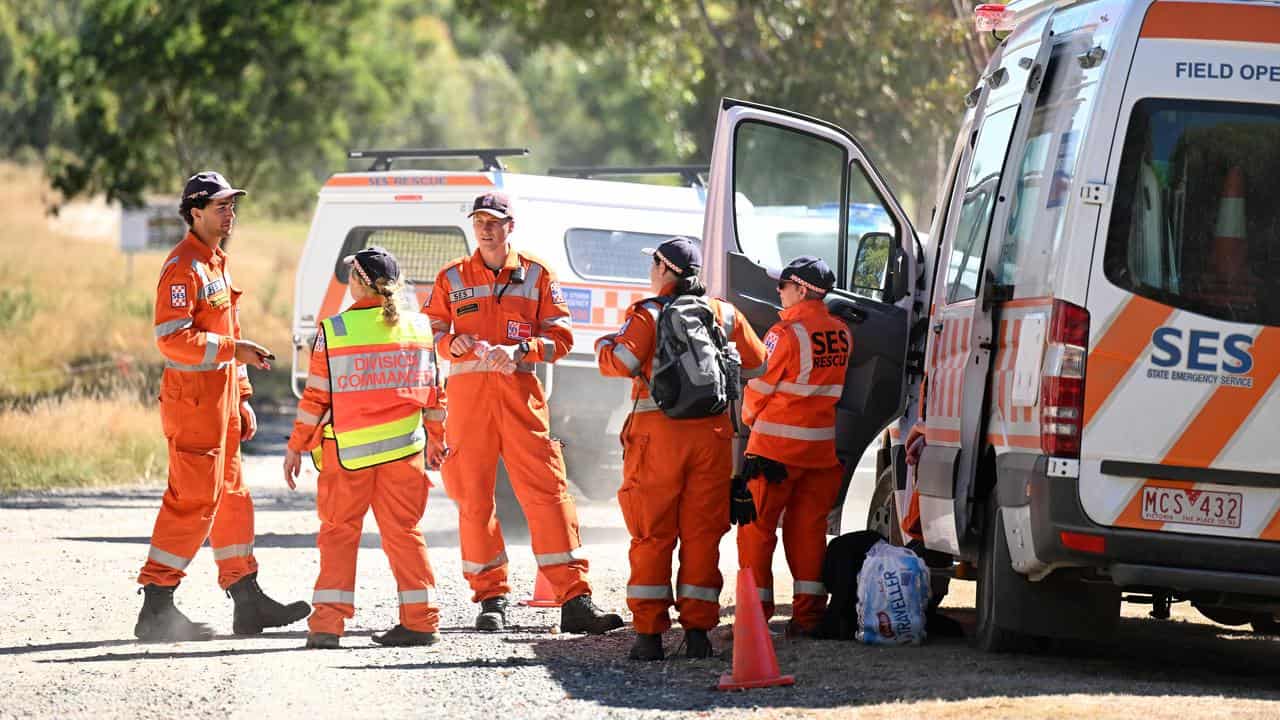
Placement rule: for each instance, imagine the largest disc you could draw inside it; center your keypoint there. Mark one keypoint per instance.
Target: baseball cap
(680, 254)
(492, 203)
(208, 185)
(374, 263)
(809, 272)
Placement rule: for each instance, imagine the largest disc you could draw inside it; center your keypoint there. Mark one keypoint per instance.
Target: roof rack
(690, 174)
(489, 157)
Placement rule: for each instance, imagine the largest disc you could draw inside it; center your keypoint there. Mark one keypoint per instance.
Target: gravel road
(68, 562)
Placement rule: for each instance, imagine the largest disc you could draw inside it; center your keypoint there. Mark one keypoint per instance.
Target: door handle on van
(937, 327)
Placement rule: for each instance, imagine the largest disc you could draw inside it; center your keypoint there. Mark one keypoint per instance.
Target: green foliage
(17, 305)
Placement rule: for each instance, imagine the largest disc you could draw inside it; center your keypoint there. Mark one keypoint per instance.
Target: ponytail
(690, 285)
(390, 292)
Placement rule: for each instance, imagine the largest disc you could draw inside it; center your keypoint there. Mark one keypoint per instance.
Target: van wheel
(1224, 616)
(996, 578)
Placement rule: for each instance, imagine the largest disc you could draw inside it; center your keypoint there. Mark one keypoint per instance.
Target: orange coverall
(197, 324)
(494, 415)
(792, 413)
(676, 477)
(397, 491)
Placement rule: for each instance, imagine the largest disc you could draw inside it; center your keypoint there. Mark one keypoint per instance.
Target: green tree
(267, 91)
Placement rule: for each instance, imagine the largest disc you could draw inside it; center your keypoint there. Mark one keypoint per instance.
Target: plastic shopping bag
(893, 595)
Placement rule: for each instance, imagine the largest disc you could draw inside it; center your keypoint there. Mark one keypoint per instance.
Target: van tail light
(993, 17)
(1062, 381)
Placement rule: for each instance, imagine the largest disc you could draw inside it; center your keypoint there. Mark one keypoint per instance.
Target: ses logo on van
(1201, 356)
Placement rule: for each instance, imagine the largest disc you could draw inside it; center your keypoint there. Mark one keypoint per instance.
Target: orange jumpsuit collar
(203, 252)
(511, 263)
(804, 308)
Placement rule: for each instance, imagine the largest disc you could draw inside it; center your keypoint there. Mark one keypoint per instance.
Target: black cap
(492, 203)
(374, 263)
(680, 254)
(809, 272)
(208, 185)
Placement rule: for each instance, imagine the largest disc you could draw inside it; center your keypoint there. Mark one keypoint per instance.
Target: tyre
(1225, 616)
(996, 577)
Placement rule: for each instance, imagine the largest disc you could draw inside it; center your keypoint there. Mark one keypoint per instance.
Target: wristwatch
(525, 348)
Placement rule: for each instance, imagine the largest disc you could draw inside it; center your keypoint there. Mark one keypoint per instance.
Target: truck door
(784, 185)
(965, 291)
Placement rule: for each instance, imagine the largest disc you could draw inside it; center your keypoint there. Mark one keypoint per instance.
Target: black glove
(772, 470)
(742, 507)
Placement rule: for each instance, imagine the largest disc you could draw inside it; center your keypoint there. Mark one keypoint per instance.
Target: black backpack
(695, 369)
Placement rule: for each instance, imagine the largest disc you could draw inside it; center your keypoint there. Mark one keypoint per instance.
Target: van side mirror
(879, 268)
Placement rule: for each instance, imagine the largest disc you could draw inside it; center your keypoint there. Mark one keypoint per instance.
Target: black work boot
(580, 615)
(493, 614)
(255, 611)
(322, 641)
(647, 647)
(401, 636)
(160, 621)
(697, 645)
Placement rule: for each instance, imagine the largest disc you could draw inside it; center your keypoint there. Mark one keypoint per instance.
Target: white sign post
(152, 227)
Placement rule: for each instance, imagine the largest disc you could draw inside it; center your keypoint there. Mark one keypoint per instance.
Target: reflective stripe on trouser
(807, 496)
(492, 415)
(675, 488)
(206, 497)
(397, 492)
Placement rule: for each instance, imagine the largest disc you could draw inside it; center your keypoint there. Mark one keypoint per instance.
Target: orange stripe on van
(1228, 408)
(1118, 349)
(405, 180)
(1212, 21)
(1272, 531)
(332, 303)
(1131, 516)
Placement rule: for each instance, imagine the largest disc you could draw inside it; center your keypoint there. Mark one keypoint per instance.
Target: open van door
(784, 185)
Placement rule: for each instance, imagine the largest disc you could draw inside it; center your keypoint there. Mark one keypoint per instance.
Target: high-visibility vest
(381, 377)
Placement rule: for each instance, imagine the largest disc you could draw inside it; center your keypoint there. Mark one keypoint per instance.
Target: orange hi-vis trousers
(492, 415)
(807, 496)
(206, 497)
(397, 492)
(675, 487)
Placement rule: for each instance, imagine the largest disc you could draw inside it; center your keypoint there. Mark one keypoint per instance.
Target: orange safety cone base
(544, 596)
(755, 665)
(728, 683)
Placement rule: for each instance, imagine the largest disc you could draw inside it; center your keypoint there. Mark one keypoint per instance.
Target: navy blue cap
(208, 185)
(680, 254)
(809, 272)
(374, 263)
(492, 203)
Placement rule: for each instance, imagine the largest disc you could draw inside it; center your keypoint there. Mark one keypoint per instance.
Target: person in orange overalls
(495, 314)
(675, 471)
(367, 385)
(791, 460)
(205, 412)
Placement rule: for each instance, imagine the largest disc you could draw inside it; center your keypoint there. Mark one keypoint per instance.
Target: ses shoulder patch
(178, 296)
(318, 346)
(557, 295)
(770, 342)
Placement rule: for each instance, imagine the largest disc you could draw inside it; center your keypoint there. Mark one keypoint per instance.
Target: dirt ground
(68, 562)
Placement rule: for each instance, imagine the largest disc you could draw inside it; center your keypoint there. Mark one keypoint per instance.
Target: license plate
(1192, 507)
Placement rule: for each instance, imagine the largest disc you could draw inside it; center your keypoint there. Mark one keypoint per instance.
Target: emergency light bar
(690, 174)
(489, 157)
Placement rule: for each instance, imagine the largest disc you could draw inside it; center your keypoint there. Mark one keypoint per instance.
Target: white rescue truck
(1097, 311)
(588, 231)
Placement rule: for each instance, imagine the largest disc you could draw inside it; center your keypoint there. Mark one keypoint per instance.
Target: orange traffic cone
(754, 663)
(543, 594)
(1228, 279)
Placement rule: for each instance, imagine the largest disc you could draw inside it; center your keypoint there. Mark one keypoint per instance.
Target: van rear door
(784, 185)
(1181, 394)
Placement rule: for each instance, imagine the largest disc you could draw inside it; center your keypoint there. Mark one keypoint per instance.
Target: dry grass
(81, 320)
(80, 441)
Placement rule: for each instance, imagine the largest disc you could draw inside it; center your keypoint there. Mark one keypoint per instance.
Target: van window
(421, 251)
(612, 255)
(1196, 217)
(977, 206)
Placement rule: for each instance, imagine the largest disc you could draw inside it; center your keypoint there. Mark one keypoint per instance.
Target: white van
(1097, 310)
(588, 231)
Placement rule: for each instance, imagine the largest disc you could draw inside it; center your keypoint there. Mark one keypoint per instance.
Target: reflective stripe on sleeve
(810, 390)
(565, 322)
(211, 341)
(340, 597)
(809, 587)
(806, 352)
(307, 418)
(646, 404)
(649, 592)
(558, 558)
(232, 551)
(795, 432)
(317, 382)
(729, 317)
(166, 329)
(755, 372)
(698, 592)
(438, 337)
(475, 568)
(628, 358)
(168, 559)
(412, 597)
(761, 386)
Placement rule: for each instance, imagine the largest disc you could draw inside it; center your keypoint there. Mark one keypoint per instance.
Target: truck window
(1196, 217)
(611, 255)
(421, 251)
(978, 205)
